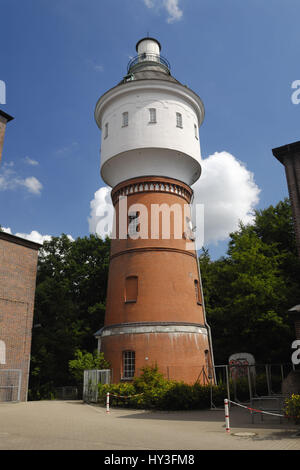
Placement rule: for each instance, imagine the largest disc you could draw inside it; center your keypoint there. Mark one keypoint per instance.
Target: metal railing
(66, 393)
(91, 379)
(10, 385)
(146, 57)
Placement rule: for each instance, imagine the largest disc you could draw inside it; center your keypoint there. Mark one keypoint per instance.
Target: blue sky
(58, 57)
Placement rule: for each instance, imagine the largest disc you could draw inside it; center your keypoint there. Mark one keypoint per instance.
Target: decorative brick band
(153, 248)
(152, 184)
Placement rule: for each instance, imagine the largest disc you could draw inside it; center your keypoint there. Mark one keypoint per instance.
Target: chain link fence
(10, 385)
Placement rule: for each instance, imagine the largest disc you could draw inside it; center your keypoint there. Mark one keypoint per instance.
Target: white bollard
(107, 402)
(227, 426)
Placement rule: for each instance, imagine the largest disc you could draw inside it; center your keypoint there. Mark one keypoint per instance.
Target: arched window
(179, 120)
(128, 364)
(125, 119)
(2, 353)
(152, 115)
(106, 130)
(196, 131)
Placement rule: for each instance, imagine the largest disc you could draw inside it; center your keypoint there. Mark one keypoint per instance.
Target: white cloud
(31, 162)
(33, 185)
(95, 66)
(34, 236)
(171, 6)
(175, 13)
(9, 180)
(67, 149)
(229, 194)
(226, 189)
(102, 213)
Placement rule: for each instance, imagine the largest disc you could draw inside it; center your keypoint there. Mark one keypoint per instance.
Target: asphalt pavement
(73, 425)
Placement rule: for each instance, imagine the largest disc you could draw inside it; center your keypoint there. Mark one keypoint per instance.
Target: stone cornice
(153, 184)
(151, 327)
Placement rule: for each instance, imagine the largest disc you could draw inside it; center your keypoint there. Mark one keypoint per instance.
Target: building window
(128, 364)
(131, 289)
(125, 119)
(133, 224)
(196, 131)
(197, 292)
(179, 120)
(152, 115)
(2, 353)
(106, 131)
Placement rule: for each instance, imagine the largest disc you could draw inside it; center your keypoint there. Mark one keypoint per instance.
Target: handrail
(146, 57)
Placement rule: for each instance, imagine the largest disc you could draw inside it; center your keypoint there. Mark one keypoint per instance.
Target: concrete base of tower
(180, 351)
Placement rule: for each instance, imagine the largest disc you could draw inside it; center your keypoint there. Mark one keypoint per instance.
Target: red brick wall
(2, 133)
(166, 272)
(18, 264)
(292, 169)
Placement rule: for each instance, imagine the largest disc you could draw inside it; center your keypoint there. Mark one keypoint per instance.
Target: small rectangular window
(106, 130)
(133, 224)
(152, 115)
(179, 120)
(125, 119)
(197, 292)
(196, 131)
(131, 289)
(128, 364)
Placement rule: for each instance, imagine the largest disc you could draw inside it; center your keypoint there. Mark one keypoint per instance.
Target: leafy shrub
(122, 389)
(152, 391)
(181, 396)
(292, 408)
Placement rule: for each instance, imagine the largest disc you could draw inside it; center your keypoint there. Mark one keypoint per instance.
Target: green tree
(69, 307)
(86, 361)
(248, 292)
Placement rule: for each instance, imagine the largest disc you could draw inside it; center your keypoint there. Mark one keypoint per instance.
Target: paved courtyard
(72, 425)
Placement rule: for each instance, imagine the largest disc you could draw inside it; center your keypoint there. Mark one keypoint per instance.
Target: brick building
(4, 119)
(289, 156)
(18, 265)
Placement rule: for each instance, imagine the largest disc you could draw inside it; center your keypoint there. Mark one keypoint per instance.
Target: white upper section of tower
(150, 123)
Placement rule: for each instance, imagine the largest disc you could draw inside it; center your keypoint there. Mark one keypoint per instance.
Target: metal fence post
(226, 407)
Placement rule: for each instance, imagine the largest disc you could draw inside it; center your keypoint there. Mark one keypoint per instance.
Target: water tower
(150, 156)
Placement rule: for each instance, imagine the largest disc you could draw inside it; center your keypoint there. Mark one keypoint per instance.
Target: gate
(91, 379)
(10, 385)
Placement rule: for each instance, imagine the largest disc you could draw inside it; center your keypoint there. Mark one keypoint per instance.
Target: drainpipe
(205, 322)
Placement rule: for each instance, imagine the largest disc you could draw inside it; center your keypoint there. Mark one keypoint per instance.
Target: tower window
(128, 364)
(133, 224)
(196, 131)
(106, 131)
(125, 119)
(179, 120)
(131, 289)
(152, 115)
(197, 292)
